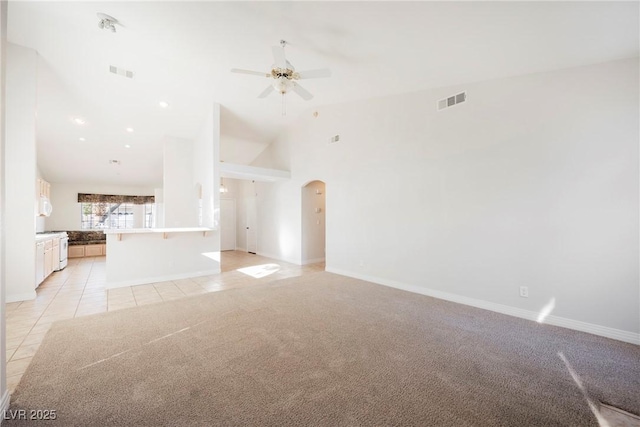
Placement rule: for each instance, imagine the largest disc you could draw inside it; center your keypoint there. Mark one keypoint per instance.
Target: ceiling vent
(452, 100)
(114, 162)
(121, 71)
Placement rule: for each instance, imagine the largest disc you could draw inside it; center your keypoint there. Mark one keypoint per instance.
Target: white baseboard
(241, 249)
(146, 280)
(312, 261)
(272, 256)
(4, 404)
(25, 296)
(604, 331)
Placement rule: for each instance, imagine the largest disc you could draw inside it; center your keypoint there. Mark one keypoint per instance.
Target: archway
(313, 222)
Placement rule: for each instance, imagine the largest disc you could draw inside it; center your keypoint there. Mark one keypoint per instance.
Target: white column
(180, 203)
(4, 394)
(20, 172)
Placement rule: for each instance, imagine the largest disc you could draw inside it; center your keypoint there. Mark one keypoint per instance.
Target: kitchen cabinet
(43, 189)
(93, 250)
(76, 251)
(55, 253)
(48, 257)
(79, 251)
(43, 193)
(39, 263)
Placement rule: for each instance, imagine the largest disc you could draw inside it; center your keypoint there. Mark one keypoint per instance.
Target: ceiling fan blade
(304, 94)
(266, 92)
(278, 57)
(314, 74)
(253, 73)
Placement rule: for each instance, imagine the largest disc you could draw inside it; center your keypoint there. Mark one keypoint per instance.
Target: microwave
(44, 206)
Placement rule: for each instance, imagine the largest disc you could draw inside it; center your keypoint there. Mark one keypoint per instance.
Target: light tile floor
(79, 290)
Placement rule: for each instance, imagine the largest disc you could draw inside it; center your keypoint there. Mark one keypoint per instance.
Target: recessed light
(81, 139)
(79, 121)
(129, 130)
(163, 104)
(127, 146)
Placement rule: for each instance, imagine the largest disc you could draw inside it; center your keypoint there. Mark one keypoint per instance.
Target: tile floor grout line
(40, 316)
(155, 290)
(38, 319)
(83, 289)
(134, 297)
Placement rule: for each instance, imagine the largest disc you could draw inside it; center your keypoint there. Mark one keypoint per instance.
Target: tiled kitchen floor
(79, 290)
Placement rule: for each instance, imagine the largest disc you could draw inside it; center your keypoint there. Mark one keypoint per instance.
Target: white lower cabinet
(39, 263)
(47, 257)
(78, 251)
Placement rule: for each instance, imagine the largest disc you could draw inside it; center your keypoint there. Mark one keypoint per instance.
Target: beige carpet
(321, 350)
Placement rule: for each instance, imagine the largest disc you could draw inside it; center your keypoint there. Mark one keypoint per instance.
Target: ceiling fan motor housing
(288, 73)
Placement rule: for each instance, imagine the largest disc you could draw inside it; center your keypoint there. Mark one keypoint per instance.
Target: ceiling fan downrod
(284, 105)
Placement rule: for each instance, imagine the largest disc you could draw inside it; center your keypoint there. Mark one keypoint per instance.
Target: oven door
(64, 251)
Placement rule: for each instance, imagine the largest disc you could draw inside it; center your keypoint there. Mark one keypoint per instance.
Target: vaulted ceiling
(181, 53)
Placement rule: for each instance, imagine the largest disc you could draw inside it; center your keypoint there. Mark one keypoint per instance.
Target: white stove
(64, 251)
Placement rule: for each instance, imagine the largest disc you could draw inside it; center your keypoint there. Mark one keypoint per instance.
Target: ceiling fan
(284, 75)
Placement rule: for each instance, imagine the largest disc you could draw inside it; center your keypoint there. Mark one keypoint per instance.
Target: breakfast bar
(149, 255)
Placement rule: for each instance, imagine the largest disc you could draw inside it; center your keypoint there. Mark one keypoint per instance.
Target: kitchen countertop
(46, 236)
(157, 230)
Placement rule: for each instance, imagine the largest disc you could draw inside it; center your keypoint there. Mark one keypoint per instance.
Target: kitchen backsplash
(86, 237)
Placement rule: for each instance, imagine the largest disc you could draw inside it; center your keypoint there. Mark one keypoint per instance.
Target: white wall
(66, 213)
(240, 150)
(206, 149)
(4, 393)
(532, 182)
(140, 258)
(20, 171)
(180, 192)
(313, 222)
(206, 175)
(158, 221)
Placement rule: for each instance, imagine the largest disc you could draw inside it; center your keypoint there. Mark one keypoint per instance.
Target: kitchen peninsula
(150, 255)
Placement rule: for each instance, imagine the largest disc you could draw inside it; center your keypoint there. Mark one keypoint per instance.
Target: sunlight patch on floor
(260, 271)
(546, 310)
(619, 418)
(602, 421)
(213, 255)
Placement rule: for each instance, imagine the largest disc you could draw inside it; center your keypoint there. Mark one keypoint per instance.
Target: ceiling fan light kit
(285, 77)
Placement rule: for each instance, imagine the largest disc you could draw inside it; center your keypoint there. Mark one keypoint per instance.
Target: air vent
(334, 139)
(114, 162)
(121, 71)
(452, 100)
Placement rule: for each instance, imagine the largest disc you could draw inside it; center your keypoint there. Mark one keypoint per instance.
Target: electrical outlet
(524, 291)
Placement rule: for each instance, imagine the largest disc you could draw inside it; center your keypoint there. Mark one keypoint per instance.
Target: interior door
(227, 224)
(252, 234)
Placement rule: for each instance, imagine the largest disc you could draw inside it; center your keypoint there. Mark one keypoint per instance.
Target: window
(115, 211)
(99, 215)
